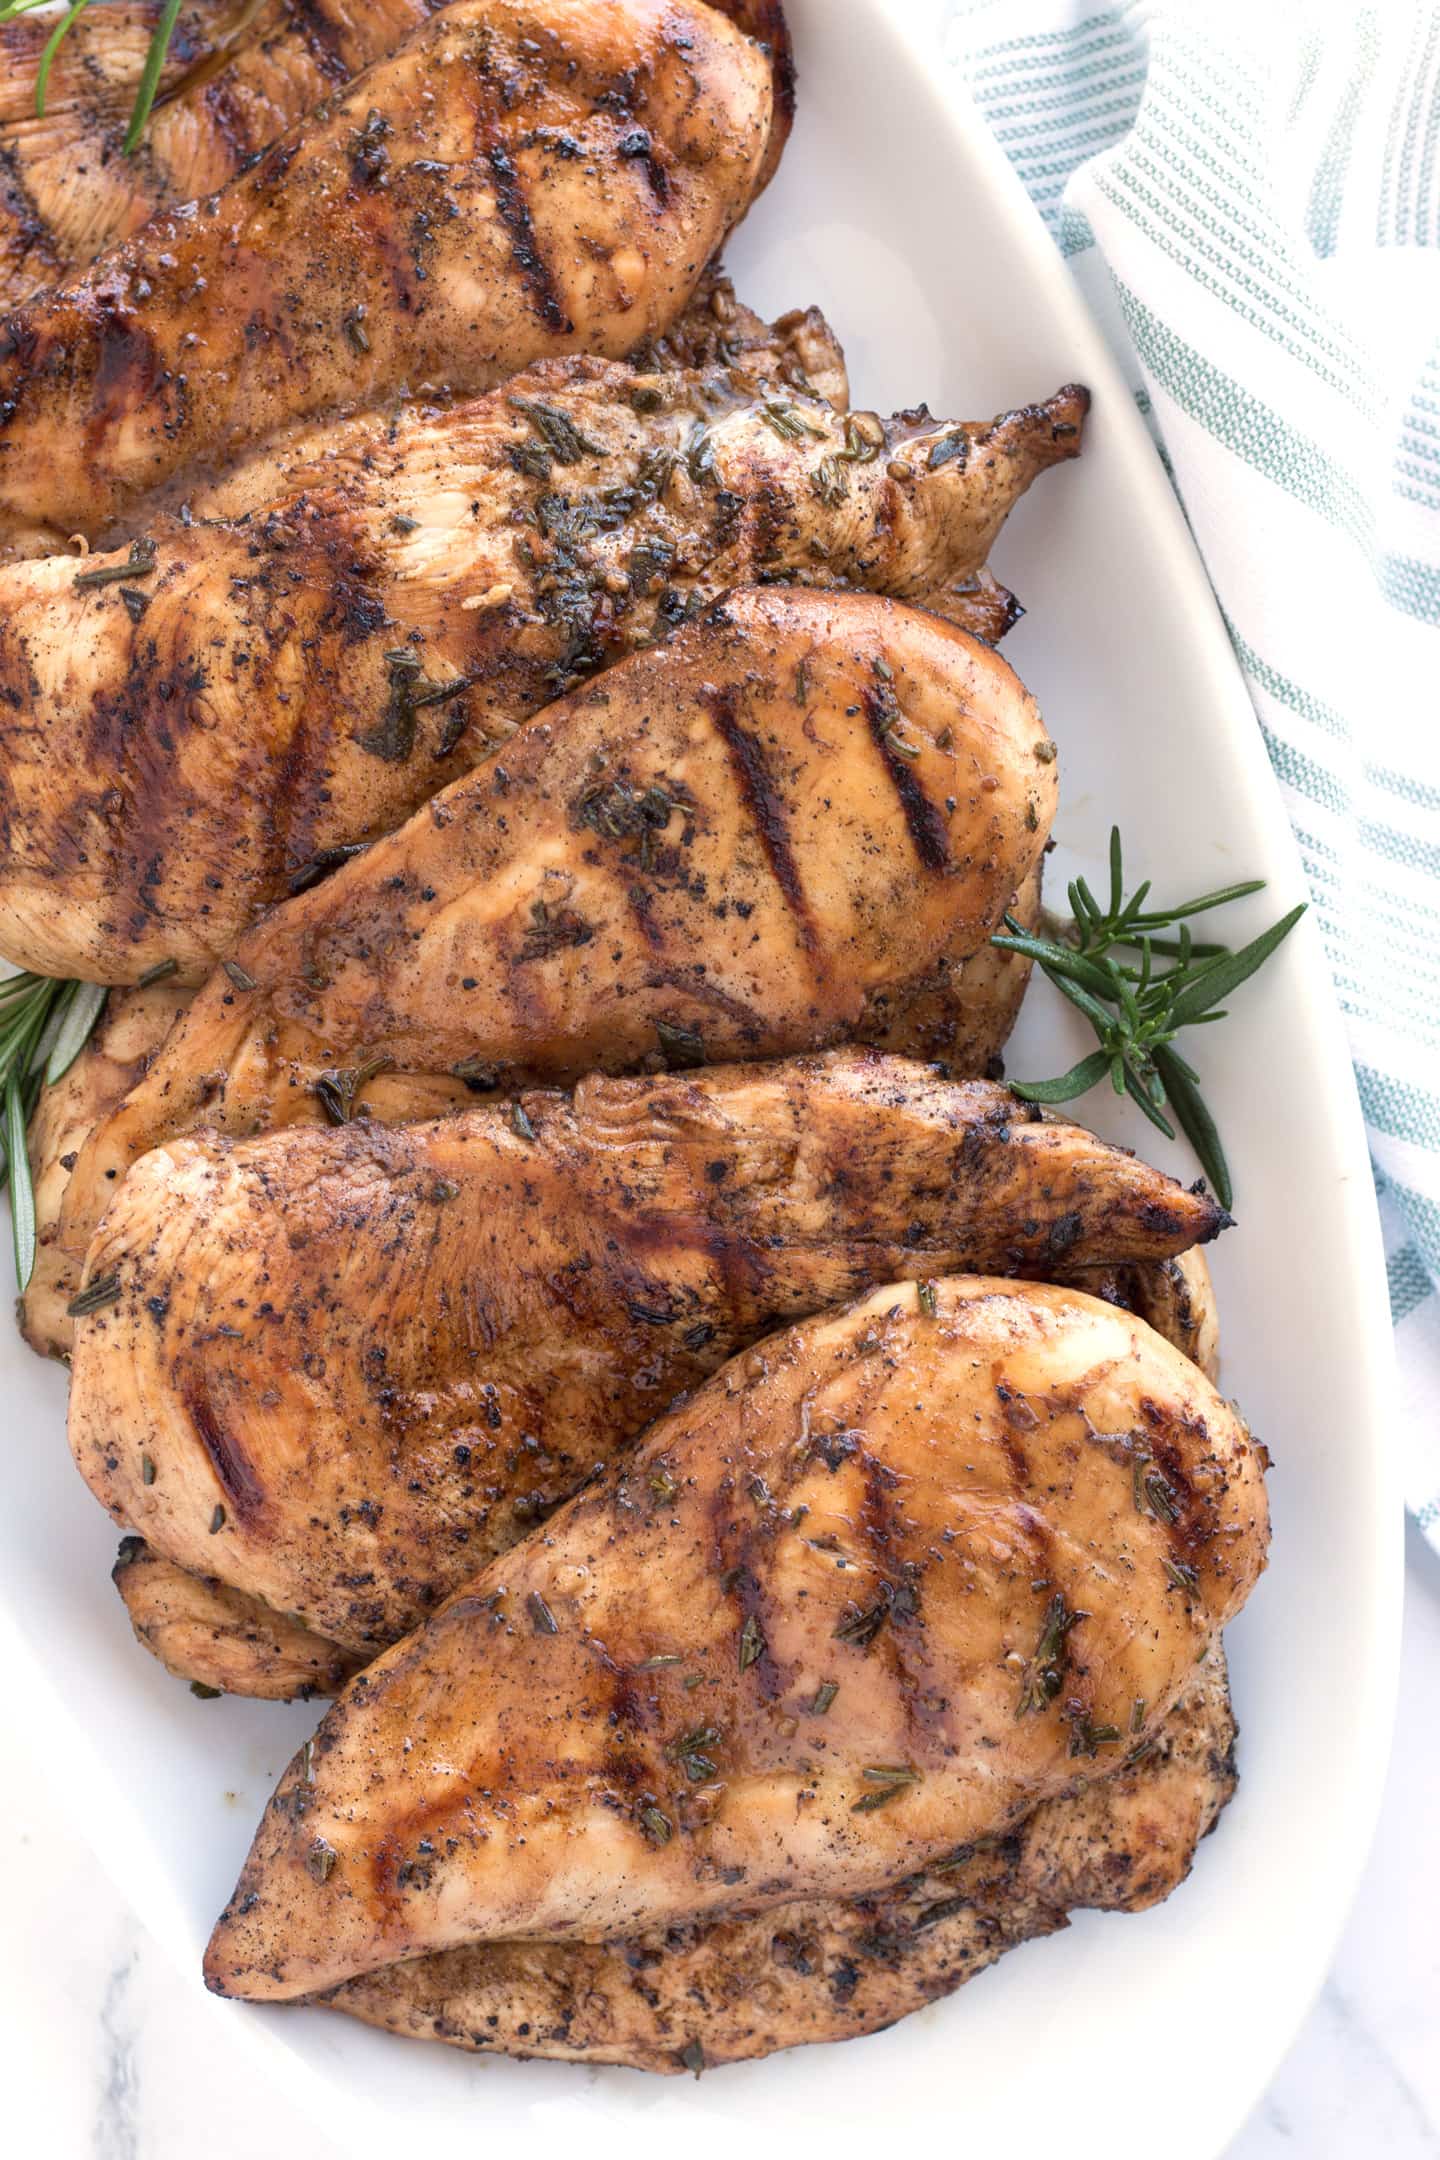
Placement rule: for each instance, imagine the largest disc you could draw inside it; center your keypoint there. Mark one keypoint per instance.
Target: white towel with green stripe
(1249, 197)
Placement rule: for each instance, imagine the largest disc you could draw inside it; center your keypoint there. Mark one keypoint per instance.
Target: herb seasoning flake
(140, 564)
(682, 1046)
(321, 1859)
(657, 1825)
(565, 442)
(1043, 1676)
(689, 1751)
(888, 1781)
(105, 1290)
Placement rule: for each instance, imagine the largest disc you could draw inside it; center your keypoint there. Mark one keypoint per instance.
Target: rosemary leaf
(1108, 965)
(1078, 1081)
(150, 76)
(1215, 981)
(888, 1781)
(82, 1010)
(44, 1024)
(22, 1193)
(1195, 1122)
(104, 1290)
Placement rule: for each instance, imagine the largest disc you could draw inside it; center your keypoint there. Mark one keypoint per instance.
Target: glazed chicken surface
(749, 842)
(187, 739)
(689, 1997)
(1002, 1521)
(521, 178)
(237, 75)
(381, 1355)
(961, 1018)
(202, 1629)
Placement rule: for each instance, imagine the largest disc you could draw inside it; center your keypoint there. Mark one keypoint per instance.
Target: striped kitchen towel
(1249, 196)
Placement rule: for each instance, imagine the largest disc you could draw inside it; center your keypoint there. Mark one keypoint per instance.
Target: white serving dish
(896, 212)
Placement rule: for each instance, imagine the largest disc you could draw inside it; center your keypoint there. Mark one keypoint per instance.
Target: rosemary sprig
(159, 47)
(1136, 1007)
(44, 1025)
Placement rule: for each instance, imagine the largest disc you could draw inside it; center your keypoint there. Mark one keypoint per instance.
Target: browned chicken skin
(522, 178)
(913, 1501)
(380, 1355)
(747, 843)
(273, 689)
(715, 1991)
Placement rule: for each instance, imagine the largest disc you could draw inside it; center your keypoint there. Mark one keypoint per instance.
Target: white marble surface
(108, 2053)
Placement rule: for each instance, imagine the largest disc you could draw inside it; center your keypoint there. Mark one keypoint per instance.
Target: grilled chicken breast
(380, 1355)
(744, 844)
(238, 73)
(727, 1990)
(264, 692)
(522, 178)
(928, 1507)
(963, 1020)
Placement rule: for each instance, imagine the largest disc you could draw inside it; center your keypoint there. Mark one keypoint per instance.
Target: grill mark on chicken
(1014, 1453)
(903, 1643)
(126, 367)
(323, 38)
(749, 1023)
(736, 1542)
(229, 120)
(765, 804)
(514, 209)
(228, 1459)
(925, 821)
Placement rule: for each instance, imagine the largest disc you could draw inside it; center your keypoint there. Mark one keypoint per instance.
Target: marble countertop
(109, 2053)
